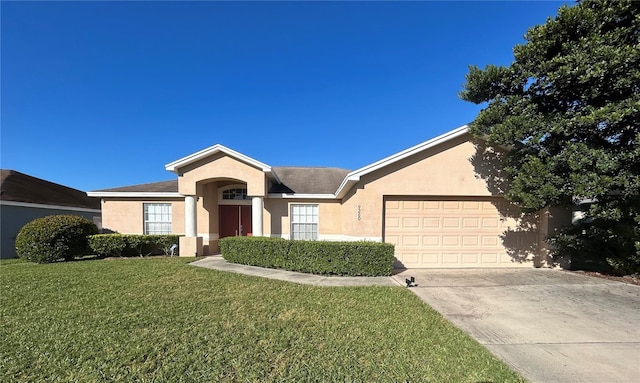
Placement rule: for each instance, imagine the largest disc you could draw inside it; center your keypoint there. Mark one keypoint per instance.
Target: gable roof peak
(217, 148)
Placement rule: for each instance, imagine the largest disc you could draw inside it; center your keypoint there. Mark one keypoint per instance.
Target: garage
(457, 232)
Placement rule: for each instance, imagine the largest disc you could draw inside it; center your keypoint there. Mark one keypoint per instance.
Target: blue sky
(104, 94)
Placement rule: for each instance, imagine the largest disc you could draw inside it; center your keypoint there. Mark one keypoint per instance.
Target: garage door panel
(451, 223)
(393, 222)
(470, 222)
(410, 240)
(431, 205)
(393, 205)
(411, 222)
(450, 240)
(471, 205)
(456, 233)
(431, 258)
(451, 205)
(410, 205)
(431, 222)
(450, 259)
(410, 258)
(394, 239)
(431, 240)
(470, 259)
(489, 258)
(470, 240)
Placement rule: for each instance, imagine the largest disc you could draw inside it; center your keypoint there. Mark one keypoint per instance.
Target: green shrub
(604, 248)
(164, 242)
(54, 237)
(118, 245)
(108, 244)
(317, 257)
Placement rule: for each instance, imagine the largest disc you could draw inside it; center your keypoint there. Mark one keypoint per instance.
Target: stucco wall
(126, 216)
(445, 170)
(222, 167)
(12, 218)
(277, 221)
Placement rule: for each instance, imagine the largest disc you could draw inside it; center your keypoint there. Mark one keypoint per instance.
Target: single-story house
(24, 198)
(430, 200)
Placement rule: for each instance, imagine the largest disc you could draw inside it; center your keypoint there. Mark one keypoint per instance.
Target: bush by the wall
(117, 245)
(108, 244)
(54, 237)
(317, 257)
(602, 247)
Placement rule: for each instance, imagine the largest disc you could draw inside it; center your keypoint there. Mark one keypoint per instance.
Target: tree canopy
(568, 111)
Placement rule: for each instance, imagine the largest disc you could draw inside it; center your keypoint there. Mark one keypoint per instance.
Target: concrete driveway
(549, 325)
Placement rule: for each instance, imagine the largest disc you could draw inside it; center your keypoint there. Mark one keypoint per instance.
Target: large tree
(568, 111)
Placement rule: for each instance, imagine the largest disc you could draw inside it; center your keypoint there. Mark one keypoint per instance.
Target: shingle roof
(153, 187)
(20, 187)
(308, 180)
(295, 179)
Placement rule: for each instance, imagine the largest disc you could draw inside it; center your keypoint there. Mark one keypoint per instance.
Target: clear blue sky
(104, 94)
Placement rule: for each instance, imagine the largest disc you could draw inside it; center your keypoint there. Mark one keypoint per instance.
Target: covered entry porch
(224, 195)
(220, 208)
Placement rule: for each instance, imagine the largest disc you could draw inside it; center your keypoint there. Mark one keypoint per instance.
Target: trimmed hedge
(122, 245)
(54, 237)
(317, 257)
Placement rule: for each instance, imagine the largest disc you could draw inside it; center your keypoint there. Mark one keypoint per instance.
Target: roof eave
(134, 194)
(301, 196)
(346, 185)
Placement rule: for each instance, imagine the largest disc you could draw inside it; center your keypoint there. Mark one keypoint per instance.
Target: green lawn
(161, 320)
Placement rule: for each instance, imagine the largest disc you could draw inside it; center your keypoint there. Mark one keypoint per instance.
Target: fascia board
(302, 196)
(47, 206)
(346, 184)
(135, 194)
(355, 175)
(173, 166)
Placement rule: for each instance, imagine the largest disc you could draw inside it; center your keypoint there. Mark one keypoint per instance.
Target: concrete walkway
(218, 263)
(549, 325)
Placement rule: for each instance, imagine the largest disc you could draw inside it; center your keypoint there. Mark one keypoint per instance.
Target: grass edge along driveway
(160, 320)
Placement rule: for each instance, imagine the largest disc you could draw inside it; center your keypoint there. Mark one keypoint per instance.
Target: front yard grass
(161, 320)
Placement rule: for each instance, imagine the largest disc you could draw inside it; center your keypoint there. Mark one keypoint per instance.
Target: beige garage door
(458, 233)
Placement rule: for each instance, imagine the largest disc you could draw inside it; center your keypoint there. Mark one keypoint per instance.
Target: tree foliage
(568, 110)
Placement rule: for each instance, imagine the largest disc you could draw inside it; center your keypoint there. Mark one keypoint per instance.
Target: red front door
(235, 220)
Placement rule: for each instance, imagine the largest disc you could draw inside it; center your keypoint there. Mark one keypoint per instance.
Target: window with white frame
(157, 218)
(235, 194)
(304, 221)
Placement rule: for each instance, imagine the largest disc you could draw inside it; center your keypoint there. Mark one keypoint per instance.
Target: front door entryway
(235, 220)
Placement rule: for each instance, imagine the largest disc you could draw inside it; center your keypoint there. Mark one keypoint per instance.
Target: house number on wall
(359, 217)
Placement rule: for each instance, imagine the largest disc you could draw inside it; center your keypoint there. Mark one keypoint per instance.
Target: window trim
(291, 222)
(222, 201)
(145, 227)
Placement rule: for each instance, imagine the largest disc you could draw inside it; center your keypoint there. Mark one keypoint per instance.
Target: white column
(190, 216)
(256, 216)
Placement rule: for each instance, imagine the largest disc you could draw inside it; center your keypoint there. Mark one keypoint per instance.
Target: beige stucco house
(431, 200)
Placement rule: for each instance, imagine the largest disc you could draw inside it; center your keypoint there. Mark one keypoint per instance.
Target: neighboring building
(428, 200)
(24, 198)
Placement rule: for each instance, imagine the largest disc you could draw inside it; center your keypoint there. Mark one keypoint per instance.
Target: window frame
(315, 234)
(223, 189)
(146, 222)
